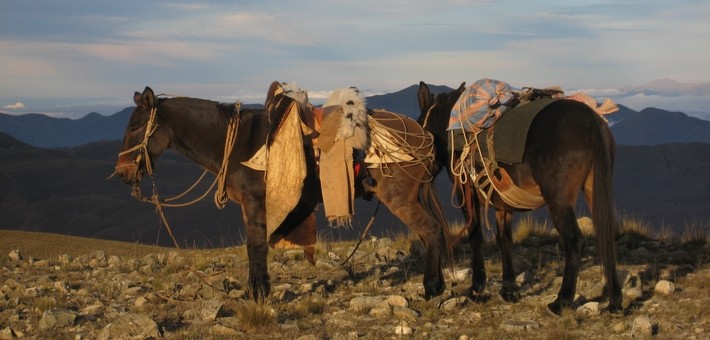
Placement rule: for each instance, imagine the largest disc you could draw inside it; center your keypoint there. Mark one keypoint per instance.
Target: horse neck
(436, 122)
(198, 131)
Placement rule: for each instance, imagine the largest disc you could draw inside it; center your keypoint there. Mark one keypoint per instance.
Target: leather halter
(150, 129)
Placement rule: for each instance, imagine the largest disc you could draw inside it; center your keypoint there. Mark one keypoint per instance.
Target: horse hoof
(432, 293)
(615, 310)
(477, 287)
(509, 296)
(554, 309)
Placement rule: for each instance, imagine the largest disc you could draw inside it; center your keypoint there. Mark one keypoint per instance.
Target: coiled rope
(421, 153)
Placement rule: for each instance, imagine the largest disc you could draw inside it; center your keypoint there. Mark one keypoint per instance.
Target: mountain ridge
(650, 126)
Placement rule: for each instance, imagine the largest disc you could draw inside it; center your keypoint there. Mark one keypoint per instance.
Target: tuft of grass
(635, 228)
(427, 309)
(404, 240)
(666, 235)
(254, 315)
(694, 234)
(586, 226)
(528, 226)
(312, 306)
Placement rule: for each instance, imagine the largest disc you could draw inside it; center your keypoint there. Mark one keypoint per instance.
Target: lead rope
(220, 195)
(364, 233)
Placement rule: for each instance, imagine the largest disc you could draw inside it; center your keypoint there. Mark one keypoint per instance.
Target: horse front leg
(504, 238)
(257, 250)
(472, 210)
(434, 284)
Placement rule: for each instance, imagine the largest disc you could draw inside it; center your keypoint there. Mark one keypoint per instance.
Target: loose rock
(664, 287)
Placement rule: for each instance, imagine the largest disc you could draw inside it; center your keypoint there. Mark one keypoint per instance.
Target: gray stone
(363, 304)
(643, 326)
(15, 255)
(223, 331)
(130, 326)
(209, 309)
(404, 313)
(7, 333)
(54, 318)
(664, 287)
(396, 300)
(382, 310)
(94, 309)
(453, 303)
(403, 329)
(519, 325)
(589, 308)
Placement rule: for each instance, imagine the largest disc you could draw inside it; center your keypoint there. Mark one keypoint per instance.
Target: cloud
(16, 106)
(668, 94)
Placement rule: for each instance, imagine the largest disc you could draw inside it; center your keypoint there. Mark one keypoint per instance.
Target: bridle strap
(150, 129)
(221, 196)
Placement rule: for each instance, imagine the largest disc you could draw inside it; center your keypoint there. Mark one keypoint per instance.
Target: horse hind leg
(504, 238)
(414, 215)
(572, 244)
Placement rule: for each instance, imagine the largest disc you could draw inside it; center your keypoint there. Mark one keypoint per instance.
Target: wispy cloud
(16, 106)
(234, 49)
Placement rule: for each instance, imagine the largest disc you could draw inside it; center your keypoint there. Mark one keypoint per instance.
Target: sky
(69, 58)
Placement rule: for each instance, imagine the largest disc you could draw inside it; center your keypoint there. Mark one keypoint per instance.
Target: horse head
(143, 140)
(435, 111)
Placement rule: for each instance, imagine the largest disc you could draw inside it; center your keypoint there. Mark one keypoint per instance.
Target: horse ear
(424, 96)
(272, 92)
(137, 98)
(148, 97)
(462, 87)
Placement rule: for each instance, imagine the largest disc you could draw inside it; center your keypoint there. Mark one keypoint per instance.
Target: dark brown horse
(568, 149)
(197, 128)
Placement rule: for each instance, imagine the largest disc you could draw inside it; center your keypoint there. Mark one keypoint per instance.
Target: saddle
(501, 137)
(351, 138)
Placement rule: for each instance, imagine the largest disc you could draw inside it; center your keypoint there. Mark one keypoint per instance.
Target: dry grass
(255, 315)
(261, 319)
(45, 245)
(529, 226)
(695, 234)
(312, 306)
(635, 228)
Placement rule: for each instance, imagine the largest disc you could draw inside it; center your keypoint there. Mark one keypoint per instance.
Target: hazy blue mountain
(651, 126)
(654, 126)
(44, 131)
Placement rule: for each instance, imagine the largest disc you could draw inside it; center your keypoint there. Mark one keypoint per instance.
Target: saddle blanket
(509, 133)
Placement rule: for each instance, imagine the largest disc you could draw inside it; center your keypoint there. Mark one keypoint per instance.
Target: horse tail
(603, 210)
(431, 201)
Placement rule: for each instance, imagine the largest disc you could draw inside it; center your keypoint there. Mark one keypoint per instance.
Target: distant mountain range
(650, 126)
(52, 178)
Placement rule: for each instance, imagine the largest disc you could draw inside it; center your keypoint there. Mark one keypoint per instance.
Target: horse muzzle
(128, 173)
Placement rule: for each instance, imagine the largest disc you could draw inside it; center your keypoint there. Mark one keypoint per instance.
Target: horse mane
(225, 110)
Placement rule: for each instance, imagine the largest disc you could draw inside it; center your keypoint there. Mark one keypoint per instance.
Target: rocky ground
(199, 294)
